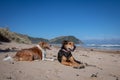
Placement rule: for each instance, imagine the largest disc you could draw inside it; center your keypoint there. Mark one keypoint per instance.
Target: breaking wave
(104, 46)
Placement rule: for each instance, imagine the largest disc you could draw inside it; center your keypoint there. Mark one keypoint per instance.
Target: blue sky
(85, 19)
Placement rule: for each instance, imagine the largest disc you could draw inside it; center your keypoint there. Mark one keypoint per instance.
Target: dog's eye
(70, 43)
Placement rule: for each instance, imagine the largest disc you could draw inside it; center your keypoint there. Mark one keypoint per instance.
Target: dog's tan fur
(31, 54)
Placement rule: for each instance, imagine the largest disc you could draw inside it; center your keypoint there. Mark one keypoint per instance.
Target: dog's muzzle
(72, 49)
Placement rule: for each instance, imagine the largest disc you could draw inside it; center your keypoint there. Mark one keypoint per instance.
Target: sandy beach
(101, 65)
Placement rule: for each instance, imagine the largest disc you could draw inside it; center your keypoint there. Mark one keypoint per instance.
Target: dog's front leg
(64, 61)
(75, 64)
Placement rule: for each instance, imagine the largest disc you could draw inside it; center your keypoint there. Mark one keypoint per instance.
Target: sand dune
(101, 65)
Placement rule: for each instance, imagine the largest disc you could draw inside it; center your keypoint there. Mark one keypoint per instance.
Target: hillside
(37, 40)
(58, 40)
(7, 36)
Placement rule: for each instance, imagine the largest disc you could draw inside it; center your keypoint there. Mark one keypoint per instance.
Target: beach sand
(101, 65)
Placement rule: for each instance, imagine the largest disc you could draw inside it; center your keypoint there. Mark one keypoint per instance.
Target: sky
(84, 19)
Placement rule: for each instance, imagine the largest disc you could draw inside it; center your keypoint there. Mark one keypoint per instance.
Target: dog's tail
(8, 58)
(47, 59)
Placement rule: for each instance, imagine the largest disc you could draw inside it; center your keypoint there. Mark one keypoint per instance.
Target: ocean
(102, 44)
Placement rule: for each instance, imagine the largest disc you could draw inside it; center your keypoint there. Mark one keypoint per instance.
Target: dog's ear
(41, 43)
(65, 42)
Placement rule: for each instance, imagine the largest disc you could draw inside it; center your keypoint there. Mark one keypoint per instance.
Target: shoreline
(100, 50)
(9, 47)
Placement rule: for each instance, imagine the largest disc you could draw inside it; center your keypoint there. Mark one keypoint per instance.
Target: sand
(101, 65)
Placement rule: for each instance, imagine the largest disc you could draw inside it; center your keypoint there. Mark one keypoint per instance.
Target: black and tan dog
(65, 57)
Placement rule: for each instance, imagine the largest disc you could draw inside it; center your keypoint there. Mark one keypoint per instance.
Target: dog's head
(68, 45)
(45, 45)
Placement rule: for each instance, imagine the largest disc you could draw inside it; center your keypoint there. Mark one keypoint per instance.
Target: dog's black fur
(63, 53)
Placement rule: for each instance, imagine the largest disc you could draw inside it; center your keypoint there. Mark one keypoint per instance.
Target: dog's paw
(79, 67)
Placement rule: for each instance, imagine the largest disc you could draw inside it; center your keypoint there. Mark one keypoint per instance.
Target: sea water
(102, 44)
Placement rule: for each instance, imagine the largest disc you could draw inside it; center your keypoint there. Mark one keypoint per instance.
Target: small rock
(20, 71)
(91, 49)
(79, 67)
(6, 55)
(117, 78)
(12, 62)
(117, 51)
(94, 75)
(77, 74)
(54, 56)
(9, 77)
(8, 49)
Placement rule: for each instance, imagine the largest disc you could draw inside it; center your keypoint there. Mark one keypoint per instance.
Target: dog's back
(33, 53)
(28, 54)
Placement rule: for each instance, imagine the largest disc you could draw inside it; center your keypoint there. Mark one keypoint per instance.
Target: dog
(65, 56)
(35, 53)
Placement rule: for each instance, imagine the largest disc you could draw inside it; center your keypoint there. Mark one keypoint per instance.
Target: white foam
(110, 45)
